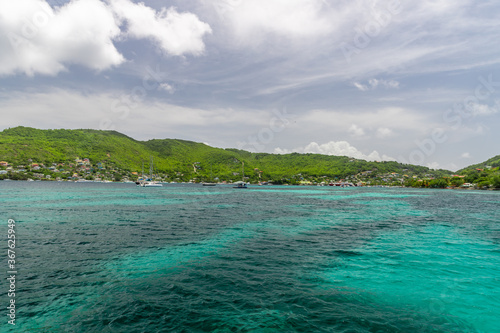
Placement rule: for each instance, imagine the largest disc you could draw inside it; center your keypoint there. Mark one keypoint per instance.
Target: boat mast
(151, 169)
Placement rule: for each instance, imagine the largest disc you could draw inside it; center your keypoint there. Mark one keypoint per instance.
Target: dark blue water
(118, 258)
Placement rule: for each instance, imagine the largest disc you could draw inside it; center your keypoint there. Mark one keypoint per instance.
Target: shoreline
(254, 185)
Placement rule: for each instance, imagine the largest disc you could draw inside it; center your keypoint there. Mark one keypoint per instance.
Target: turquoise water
(183, 258)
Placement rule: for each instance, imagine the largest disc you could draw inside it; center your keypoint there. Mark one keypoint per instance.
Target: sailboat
(149, 182)
(241, 184)
(140, 180)
(210, 184)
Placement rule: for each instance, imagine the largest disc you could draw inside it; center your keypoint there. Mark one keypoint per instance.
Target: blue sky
(380, 80)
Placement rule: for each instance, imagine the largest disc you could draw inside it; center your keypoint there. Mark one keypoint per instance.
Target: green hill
(184, 159)
(493, 162)
(485, 174)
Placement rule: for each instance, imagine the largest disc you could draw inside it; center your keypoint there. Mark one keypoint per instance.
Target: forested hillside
(22, 146)
(486, 174)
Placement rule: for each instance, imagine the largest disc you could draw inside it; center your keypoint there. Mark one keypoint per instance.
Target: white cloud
(383, 132)
(433, 165)
(408, 120)
(56, 108)
(166, 87)
(336, 148)
(356, 131)
(466, 155)
(252, 21)
(422, 37)
(142, 119)
(476, 109)
(361, 87)
(176, 33)
(38, 39)
(375, 83)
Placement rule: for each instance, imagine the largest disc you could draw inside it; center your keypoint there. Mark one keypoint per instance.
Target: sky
(417, 82)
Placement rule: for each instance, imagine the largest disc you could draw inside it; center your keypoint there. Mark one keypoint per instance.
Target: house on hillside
(4, 164)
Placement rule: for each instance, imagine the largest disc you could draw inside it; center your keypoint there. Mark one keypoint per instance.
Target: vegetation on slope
(486, 174)
(186, 160)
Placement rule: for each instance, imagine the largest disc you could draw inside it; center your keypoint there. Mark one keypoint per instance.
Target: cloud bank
(36, 38)
(253, 21)
(336, 148)
(175, 33)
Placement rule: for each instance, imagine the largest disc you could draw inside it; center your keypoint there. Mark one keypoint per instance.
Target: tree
(496, 182)
(472, 177)
(484, 184)
(456, 181)
(438, 183)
